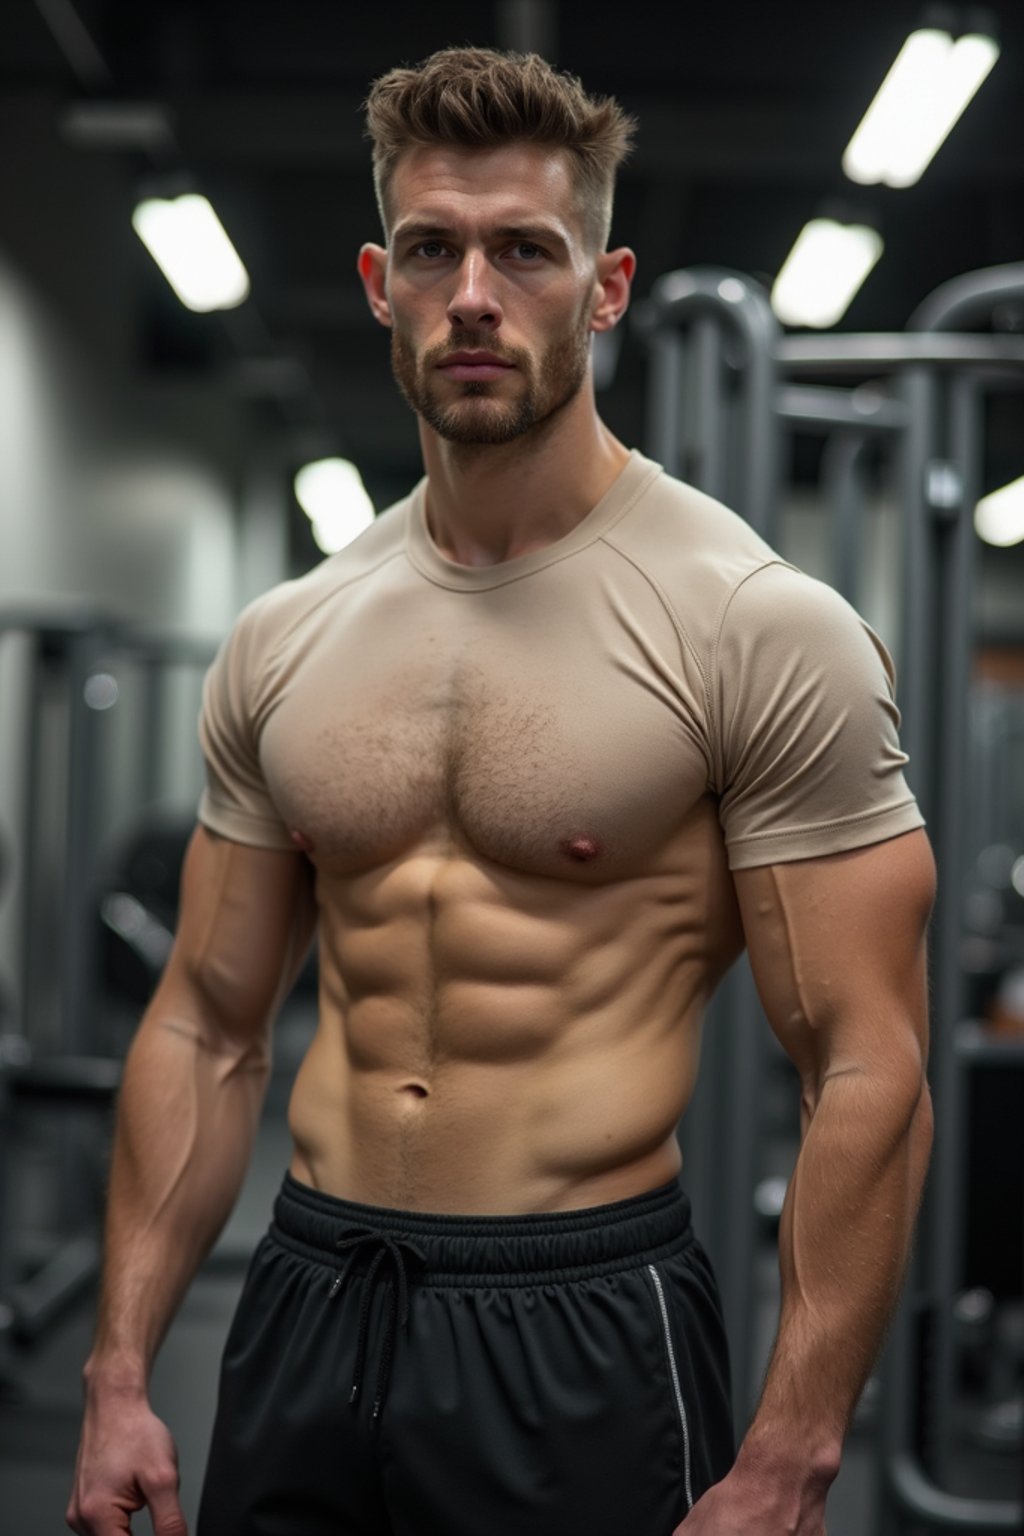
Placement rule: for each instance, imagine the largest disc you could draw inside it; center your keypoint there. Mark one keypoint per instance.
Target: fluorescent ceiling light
(999, 517)
(918, 102)
(190, 246)
(332, 495)
(823, 271)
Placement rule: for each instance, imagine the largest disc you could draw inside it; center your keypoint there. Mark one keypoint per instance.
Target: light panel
(824, 270)
(999, 517)
(332, 495)
(190, 246)
(918, 103)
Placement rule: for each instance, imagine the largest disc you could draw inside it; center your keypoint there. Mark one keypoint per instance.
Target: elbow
(193, 1002)
(912, 1094)
(919, 1090)
(904, 1065)
(912, 1119)
(890, 1092)
(922, 1126)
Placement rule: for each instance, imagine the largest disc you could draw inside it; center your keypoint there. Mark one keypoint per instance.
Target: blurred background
(828, 333)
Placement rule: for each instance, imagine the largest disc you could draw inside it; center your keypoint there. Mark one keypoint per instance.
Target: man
(539, 753)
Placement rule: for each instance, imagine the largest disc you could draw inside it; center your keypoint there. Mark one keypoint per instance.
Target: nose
(474, 301)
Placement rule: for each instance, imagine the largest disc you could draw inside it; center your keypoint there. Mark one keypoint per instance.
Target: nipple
(302, 842)
(582, 849)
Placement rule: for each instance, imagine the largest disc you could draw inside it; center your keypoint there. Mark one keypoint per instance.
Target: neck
(487, 503)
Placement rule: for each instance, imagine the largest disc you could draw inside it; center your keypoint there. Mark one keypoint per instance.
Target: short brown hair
(478, 98)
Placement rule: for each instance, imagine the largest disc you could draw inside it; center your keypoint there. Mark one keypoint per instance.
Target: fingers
(164, 1508)
(99, 1517)
(95, 1517)
(127, 1461)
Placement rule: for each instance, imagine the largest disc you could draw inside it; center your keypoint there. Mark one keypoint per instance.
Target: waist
(505, 1250)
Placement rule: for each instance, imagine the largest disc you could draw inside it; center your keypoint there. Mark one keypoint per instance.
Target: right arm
(189, 1106)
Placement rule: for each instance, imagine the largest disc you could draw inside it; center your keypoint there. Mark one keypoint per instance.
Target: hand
(735, 1507)
(126, 1461)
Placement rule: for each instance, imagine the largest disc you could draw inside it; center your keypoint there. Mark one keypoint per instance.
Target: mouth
(474, 365)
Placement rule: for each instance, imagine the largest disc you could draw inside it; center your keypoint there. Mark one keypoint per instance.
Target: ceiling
(744, 112)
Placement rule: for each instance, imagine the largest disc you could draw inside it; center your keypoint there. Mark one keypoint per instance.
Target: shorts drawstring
(391, 1247)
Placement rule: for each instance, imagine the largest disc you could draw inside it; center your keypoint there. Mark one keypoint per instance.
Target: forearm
(843, 1244)
(187, 1116)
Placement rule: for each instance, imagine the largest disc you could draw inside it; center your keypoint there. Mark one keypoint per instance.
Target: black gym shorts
(391, 1373)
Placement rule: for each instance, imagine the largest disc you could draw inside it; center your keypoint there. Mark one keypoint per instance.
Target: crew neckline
(632, 480)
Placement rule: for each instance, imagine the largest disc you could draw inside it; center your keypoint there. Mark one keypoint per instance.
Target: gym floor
(39, 1426)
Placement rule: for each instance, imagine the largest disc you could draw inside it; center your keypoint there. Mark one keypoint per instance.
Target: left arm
(837, 947)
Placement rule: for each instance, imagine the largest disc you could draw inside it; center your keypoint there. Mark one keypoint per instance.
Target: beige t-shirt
(659, 655)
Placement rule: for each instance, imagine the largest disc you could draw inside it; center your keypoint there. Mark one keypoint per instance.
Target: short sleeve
(806, 730)
(236, 801)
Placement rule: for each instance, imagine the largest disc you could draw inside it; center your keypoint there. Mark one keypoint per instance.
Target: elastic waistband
(494, 1250)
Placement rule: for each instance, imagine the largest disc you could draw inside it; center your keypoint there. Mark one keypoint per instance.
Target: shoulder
(778, 612)
(695, 549)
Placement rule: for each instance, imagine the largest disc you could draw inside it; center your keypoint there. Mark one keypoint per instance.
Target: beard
(476, 416)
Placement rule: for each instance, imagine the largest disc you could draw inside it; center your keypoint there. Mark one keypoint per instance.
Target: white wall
(108, 502)
(42, 411)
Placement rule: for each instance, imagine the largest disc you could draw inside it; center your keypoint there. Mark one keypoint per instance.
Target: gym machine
(713, 342)
(724, 386)
(79, 942)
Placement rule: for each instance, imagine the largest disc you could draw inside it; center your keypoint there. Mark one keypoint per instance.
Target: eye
(526, 250)
(430, 249)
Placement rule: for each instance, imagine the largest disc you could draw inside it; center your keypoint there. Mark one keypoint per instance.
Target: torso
(524, 904)
(521, 788)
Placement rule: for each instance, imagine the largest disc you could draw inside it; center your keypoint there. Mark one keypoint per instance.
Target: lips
(474, 365)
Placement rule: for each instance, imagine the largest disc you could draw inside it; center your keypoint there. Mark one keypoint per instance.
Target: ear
(615, 271)
(372, 267)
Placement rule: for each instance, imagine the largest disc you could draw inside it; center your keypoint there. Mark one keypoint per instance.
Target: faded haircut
(478, 98)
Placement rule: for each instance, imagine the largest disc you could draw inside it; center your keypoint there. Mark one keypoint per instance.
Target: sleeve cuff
(243, 826)
(785, 847)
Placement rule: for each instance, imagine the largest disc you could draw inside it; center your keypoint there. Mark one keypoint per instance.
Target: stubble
(477, 416)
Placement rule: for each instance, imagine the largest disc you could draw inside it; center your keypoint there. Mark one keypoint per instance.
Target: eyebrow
(542, 234)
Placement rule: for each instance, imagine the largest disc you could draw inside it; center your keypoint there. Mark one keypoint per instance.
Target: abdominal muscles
(494, 1042)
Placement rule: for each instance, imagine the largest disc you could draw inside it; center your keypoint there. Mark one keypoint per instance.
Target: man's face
(490, 289)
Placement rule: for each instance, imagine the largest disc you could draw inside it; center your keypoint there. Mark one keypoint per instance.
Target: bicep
(246, 916)
(837, 949)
